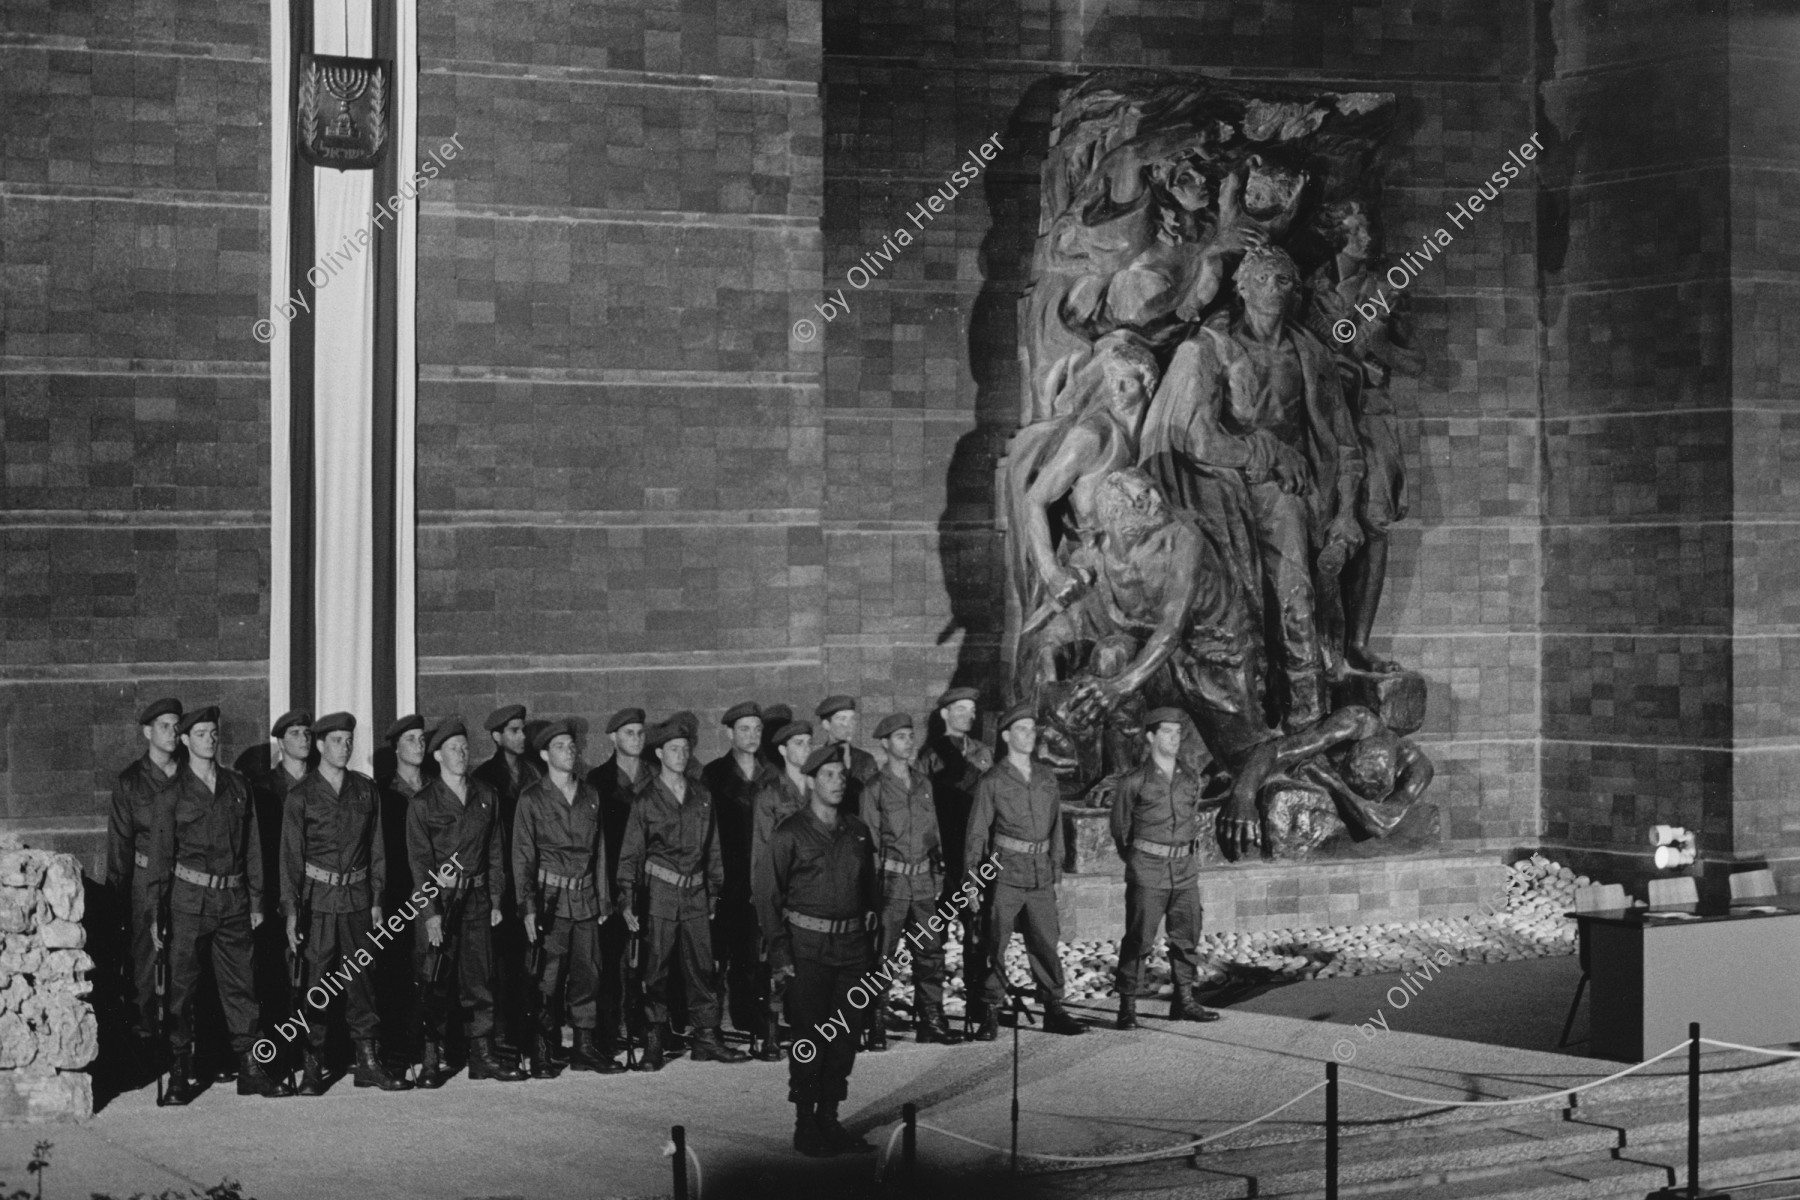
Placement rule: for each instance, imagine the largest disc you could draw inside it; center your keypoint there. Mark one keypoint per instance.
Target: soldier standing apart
(132, 837)
(559, 861)
(910, 855)
(1017, 815)
(451, 836)
(824, 886)
(672, 850)
(1156, 827)
(839, 720)
(617, 781)
(733, 779)
(208, 836)
(394, 980)
(334, 867)
(778, 799)
(509, 772)
(955, 761)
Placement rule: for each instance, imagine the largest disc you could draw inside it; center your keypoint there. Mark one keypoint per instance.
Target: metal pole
(909, 1141)
(1693, 1108)
(1331, 1131)
(679, 1135)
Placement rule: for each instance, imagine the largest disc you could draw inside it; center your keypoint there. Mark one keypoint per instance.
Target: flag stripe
(302, 623)
(382, 445)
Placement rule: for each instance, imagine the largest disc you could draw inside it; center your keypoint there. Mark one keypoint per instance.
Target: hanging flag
(341, 111)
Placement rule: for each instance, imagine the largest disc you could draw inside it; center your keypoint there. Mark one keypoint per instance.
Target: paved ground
(585, 1136)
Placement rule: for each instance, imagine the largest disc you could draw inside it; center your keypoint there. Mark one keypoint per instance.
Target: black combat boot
(183, 1087)
(809, 1139)
(707, 1047)
(589, 1057)
(770, 1050)
(312, 1076)
(369, 1072)
(485, 1062)
(225, 1070)
(432, 1074)
(543, 1066)
(875, 1038)
(1127, 1012)
(836, 1135)
(252, 1080)
(652, 1057)
(559, 1053)
(987, 1024)
(932, 1027)
(1058, 1020)
(1184, 1007)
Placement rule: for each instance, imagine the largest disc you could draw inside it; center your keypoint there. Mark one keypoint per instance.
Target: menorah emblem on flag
(341, 110)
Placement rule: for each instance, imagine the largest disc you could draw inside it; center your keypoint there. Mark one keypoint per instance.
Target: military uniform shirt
(214, 832)
(552, 833)
(777, 800)
(825, 873)
(1008, 805)
(1150, 806)
(678, 836)
(734, 799)
(903, 819)
(336, 831)
(132, 829)
(440, 827)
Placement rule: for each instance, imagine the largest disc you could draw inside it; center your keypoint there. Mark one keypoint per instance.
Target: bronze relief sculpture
(1198, 502)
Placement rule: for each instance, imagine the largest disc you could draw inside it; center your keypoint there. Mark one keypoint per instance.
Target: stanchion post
(909, 1141)
(678, 1134)
(1694, 1108)
(1331, 1131)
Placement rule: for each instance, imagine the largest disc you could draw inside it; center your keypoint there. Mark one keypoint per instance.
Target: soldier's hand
(156, 938)
(375, 914)
(780, 973)
(631, 921)
(712, 909)
(871, 921)
(493, 918)
(531, 928)
(293, 933)
(256, 920)
(434, 930)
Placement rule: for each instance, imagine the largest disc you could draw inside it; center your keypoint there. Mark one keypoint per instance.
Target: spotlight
(1674, 846)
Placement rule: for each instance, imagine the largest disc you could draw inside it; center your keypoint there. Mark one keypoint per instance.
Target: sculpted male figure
(1250, 415)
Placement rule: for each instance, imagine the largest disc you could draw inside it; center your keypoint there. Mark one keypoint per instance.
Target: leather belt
(202, 879)
(1162, 849)
(572, 883)
(894, 866)
(334, 878)
(142, 859)
(821, 925)
(458, 882)
(671, 877)
(1018, 846)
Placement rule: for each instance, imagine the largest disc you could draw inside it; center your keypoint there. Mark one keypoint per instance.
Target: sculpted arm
(1079, 450)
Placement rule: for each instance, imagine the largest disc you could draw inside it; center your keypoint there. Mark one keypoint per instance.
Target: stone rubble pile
(1527, 921)
(47, 1027)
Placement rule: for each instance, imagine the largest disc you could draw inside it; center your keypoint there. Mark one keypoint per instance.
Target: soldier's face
(746, 735)
(560, 753)
(629, 739)
(797, 749)
(828, 784)
(1165, 739)
(202, 741)
(900, 744)
(512, 736)
(959, 717)
(410, 749)
(673, 755)
(453, 757)
(335, 749)
(1020, 736)
(296, 742)
(842, 725)
(161, 734)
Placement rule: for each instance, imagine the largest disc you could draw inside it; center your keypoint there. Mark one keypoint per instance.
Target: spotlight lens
(1665, 857)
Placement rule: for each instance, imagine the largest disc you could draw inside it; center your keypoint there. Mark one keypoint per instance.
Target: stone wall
(47, 1027)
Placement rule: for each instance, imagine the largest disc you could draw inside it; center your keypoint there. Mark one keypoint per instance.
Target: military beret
(551, 731)
(891, 723)
(624, 717)
(818, 758)
(452, 727)
(1024, 710)
(497, 720)
(738, 712)
(1162, 716)
(688, 723)
(664, 732)
(159, 708)
(777, 715)
(337, 722)
(954, 694)
(200, 716)
(790, 731)
(404, 725)
(289, 719)
(833, 704)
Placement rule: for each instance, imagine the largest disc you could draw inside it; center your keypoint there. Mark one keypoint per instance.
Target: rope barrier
(668, 1151)
(1751, 1049)
(1570, 1091)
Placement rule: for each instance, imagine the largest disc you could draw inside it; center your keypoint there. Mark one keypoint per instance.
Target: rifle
(165, 932)
(534, 966)
(635, 1025)
(297, 953)
(449, 942)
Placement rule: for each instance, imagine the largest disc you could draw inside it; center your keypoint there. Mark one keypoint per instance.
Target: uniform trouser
(817, 994)
(146, 1022)
(465, 981)
(332, 941)
(681, 944)
(738, 941)
(615, 940)
(571, 948)
(1032, 911)
(926, 947)
(1144, 908)
(1283, 535)
(514, 991)
(227, 937)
